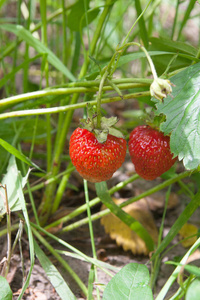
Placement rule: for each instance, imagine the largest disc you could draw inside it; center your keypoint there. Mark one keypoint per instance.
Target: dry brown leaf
(123, 235)
(186, 231)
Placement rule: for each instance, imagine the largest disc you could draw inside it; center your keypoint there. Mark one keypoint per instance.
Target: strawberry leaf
(182, 112)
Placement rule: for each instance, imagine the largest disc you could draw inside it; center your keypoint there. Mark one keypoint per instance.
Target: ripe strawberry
(150, 152)
(93, 160)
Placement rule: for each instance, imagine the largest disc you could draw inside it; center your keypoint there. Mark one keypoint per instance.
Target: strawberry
(150, 152)
(93, 160)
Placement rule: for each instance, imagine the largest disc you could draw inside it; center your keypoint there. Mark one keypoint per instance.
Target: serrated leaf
(5, 291)
(130, 283)
(183, 116)
(193, 291)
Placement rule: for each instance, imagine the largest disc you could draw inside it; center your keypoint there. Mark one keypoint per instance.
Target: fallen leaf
(186, 231)
(123, 235)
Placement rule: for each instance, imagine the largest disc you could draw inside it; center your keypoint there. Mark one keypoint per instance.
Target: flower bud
(160, 88)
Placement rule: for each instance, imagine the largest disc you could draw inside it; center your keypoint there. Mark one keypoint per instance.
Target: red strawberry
(150, 152)
(96, 161)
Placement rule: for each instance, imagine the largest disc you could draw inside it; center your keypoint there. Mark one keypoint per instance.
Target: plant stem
(46, 204)
(9, 249)
(68, 91)
(99, 99)
(90, 228)
(131, 200)
(93, 202)
(69, 108)
(62, 187)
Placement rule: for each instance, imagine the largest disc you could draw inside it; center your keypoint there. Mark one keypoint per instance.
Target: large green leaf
(25, 35)
(130, 283)
(193, 290)
(183, 116)
(5, 291)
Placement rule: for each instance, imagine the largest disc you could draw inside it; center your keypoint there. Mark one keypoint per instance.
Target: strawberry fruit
(93, 160)
(150, 152)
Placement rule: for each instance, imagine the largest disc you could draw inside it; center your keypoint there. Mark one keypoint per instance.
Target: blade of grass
(157, 261)
(9, 76)
(182, 219)
(43, 12)
(141, 23)
(23, 33)
(62, 261)
(93, 271)
(18, 154)
(186, 16)
(88, 259)
(103, 194)
(29, 232)
(174, 275)
(175, 19)
(54, 275)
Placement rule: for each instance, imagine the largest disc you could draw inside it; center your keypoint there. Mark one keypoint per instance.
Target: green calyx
(106, 127)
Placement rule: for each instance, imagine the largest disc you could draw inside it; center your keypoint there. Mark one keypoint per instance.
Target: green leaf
(19, 192)
(24, 34)
(165, 44)
(183, 116)
(77, 17)
(53, 274)
(143, 32)
(131, 283)
(8, 76)
(18, 154)
(137, 55)
(10, 180)
(5, 291)
(103, 194)
(184, 52)
(194, 270)
(193, 290)
(186, 16)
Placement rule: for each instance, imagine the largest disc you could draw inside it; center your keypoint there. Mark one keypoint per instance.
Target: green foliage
(53, 274)
(23, 33)
(193, 290)
(80, 16)
(5, 291)
(182, 116)
(131, 282)
(12, 179)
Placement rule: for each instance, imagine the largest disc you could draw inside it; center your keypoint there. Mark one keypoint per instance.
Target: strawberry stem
(99, 99)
